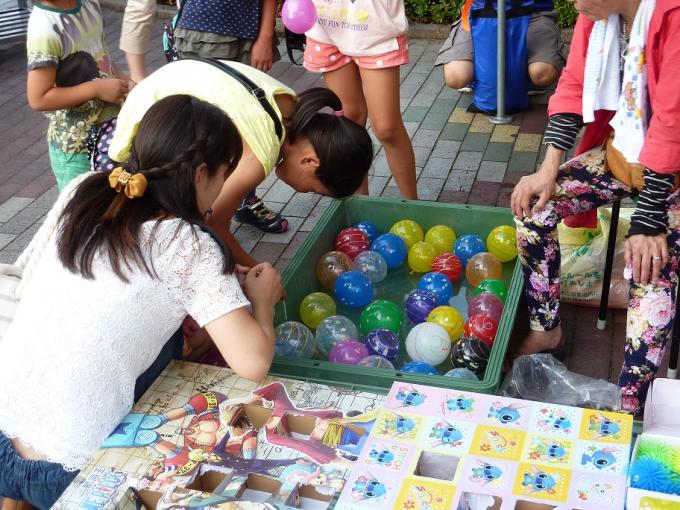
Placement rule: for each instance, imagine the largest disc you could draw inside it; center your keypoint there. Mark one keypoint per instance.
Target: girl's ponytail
(344, 147)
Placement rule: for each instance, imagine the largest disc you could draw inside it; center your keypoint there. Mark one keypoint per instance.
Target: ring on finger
(655, 257)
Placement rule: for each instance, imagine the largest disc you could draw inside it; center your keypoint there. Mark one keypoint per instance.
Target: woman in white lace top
(129, 259)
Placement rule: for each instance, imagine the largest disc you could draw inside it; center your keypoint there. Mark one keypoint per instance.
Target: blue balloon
(467, 246)
(419, 367)
(392, 248)
(369, 229)
(353, 289)
(439, 285)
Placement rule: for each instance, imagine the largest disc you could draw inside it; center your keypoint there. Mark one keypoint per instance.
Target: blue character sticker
(410, 397)
(505, 414)
(458, 405)
(538, 480)
(600, 458)
(445, 433)
(603, 427)
(485, 473)
(396, 425)
(368, 487)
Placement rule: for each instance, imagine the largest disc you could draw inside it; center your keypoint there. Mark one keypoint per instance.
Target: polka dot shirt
(238, 18)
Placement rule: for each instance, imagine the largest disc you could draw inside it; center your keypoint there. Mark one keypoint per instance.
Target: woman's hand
(261, 54)
(262, 284)
(111, 90)
(646, 255)
(541, 185)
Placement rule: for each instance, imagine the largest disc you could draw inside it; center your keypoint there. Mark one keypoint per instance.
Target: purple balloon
(418, 305)
(349, 352)
(298, 15)
(486, 304)
(382, 342)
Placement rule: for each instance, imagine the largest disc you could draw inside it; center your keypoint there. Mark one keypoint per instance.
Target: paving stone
(380, 166)
(267, 252)
(504, 133)
(453, 197)
(460, 180)
(468, 160)
(444, 105)
(434, 121)
(294, 224)
(429, 188)
(481, 124)
(414, 113)
(247, 236)
(498, 151)
(449, 93)
(425, 138)
(411, 128)
(316, 214)
(475, 141)
(301, 204)
(445, 149)
(9, 256)
(491, 171)
(279, 192)
(12, 207)
(438, 167)
(376, 185)
(527, 142)
(22, 221)
(454, 131)
(391, 192)
(461, 116)
(484, 193)
(522, 162)
(464, 101)
(294, 245)
(422, 153)
(5, 239)
(282, 264)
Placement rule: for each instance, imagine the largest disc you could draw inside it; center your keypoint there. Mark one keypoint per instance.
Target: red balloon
(449, 265)
(483, 327)
(352, 241)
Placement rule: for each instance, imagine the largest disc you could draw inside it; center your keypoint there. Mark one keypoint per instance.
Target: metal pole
(608, 265)
(500, 117)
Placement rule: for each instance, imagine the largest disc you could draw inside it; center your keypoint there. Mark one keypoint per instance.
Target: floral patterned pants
(582, 184)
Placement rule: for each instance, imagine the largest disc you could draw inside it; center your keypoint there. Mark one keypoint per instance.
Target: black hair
(77, 68)
(175, 136)
(344, 147)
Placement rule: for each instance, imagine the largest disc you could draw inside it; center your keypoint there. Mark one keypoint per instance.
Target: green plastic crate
(299, 279)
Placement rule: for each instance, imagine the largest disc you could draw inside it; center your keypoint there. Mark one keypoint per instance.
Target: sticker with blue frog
(508, 413)
(606, 427)
(556, 420)
(602, 457)
(386, 455)
(459, 405)
(488, 473)
(369, 489)
(394, 424)
(549, 450)
(450, 435)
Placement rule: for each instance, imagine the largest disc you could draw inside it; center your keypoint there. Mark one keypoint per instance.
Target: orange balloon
(331, 265)
(483, 266)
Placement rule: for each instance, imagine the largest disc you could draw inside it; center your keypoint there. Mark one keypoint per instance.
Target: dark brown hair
(344, 147)
(175, 136)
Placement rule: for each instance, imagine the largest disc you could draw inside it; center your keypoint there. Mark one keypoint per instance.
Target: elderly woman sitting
(621, 81)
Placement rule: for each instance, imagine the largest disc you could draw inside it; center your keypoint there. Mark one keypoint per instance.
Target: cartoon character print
(398, 426)
(409, 396)
(549, 450)
(600, 458)
(602, 427)
(368, 487)
(419, 498)
(485, 473)
(460, 405)
(444, 432)
(597, 491)
(537, 480)
(505, 414)
(553, 420)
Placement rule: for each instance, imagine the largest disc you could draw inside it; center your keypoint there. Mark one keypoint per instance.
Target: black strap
(250, 85)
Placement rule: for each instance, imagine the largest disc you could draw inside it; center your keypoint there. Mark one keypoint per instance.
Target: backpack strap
(250, 85)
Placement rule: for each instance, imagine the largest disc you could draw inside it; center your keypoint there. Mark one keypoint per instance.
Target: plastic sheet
(543, 378)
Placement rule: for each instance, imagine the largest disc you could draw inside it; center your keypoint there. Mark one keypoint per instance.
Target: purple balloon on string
(298, 15)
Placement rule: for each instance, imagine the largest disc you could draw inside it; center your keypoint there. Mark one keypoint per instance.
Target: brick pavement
(460, 158)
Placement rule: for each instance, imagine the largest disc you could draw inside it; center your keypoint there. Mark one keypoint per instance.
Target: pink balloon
(486, 304)
(298, 15)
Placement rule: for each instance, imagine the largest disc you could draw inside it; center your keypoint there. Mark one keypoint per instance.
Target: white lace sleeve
(195, 278)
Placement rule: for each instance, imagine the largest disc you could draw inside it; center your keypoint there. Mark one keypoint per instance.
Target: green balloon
(381, 314)
(492, 286)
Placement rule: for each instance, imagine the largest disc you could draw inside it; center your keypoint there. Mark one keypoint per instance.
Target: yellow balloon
(502, 242)
(420, 257)
(409, 231)
(442, 238)
(450, 319)
(315, 307)
(483, 266)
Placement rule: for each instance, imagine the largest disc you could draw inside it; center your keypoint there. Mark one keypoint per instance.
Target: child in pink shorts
(359, 45)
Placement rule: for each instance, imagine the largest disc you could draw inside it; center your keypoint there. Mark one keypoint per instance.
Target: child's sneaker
(254, 212)
(469, 88)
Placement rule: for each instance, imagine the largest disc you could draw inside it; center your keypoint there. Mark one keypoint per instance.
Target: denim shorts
(40, 482)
